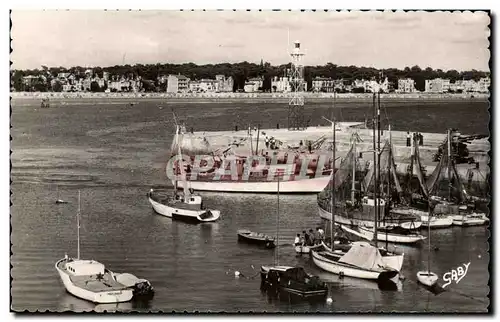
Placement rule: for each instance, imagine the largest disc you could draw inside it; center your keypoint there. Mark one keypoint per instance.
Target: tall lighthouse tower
(296, 104)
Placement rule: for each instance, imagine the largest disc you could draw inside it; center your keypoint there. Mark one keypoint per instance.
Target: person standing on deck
(321, 233)
(408, 139)
(312, 239)
(297, 240)
(309, 146)
(306, 237)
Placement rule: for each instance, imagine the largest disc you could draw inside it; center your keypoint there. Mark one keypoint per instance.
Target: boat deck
(93, 283)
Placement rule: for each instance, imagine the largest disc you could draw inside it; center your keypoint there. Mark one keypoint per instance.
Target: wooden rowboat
(245, 235)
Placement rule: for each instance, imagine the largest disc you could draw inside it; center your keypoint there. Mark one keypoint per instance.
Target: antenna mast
(296, 103)
(78, 226)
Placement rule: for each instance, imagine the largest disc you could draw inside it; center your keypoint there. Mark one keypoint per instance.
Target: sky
(445, 40)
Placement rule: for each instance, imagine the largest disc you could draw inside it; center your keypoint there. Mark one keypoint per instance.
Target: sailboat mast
(375, 169)
(78, 226)
(332, 222)
(353, 185)
(379, 182)
(448, 165)
(257, 143)
(429, 237)
(181, 167)
(389, 166)
(278, 225)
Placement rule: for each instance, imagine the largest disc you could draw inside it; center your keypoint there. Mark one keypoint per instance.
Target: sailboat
(293, 281)
(420, 206)
(428, 278)
(185, 205)
(91, 281)
(405, 234)
(359, 259)
(454, 205)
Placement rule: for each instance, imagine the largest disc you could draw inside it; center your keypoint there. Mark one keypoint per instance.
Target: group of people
(310, 238)
(272, 143)
(417, 135)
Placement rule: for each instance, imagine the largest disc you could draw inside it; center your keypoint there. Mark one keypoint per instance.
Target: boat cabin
(192, 200)
(85, 267)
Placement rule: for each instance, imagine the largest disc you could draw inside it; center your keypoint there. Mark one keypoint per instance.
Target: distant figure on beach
(309, 146)
(301, 143)
(420, 139)
(267, 142)
(408, 139)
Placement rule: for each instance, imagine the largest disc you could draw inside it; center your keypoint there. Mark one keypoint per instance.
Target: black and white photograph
(250, 161)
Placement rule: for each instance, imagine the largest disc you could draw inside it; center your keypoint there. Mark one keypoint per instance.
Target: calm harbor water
(114, 152)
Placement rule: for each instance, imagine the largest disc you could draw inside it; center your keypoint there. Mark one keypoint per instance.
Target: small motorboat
(427, 278)
(437, 221)
(293, 281)
(92, 281)
(245, 235)
(473, 219)
(305, 249)
(60, 201)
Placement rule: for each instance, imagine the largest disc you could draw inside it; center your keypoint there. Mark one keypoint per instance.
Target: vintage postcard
(250, 161)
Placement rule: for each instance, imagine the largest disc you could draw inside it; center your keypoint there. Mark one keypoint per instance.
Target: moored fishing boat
(185, 206)
(292, 281)
(473, 219)
(394, 235)
(362, 260)
(91, 281)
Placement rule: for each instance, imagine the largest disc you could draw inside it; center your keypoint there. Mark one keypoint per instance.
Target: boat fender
(191, 191)
(341, 275)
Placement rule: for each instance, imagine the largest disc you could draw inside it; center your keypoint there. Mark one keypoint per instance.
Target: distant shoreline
(249, 97)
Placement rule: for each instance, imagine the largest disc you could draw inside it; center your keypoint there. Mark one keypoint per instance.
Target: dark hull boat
(293, 282)
(254, 238)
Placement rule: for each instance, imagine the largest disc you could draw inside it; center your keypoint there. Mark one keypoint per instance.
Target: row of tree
(242, 72)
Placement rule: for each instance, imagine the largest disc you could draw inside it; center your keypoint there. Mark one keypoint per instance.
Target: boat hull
(394, 261)
(304, 186)
(389, 237)
(193, 216)
(437, 222)
(254, 241)
(364, 222)
(464, 220)
(340, 269)
(304, 249)
(426, 278)
(115, 296)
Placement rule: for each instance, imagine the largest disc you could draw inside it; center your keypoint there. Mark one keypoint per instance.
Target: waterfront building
(253, 85)
(484, 85)
(224, 84)
(406, 85)
(323, 84)
(437, 85)
(177, 84)
(280, 85)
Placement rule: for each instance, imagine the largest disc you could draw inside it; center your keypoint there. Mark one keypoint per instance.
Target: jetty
(249, 141)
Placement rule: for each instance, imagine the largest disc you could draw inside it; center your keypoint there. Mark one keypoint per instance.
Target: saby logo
(456, 275)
